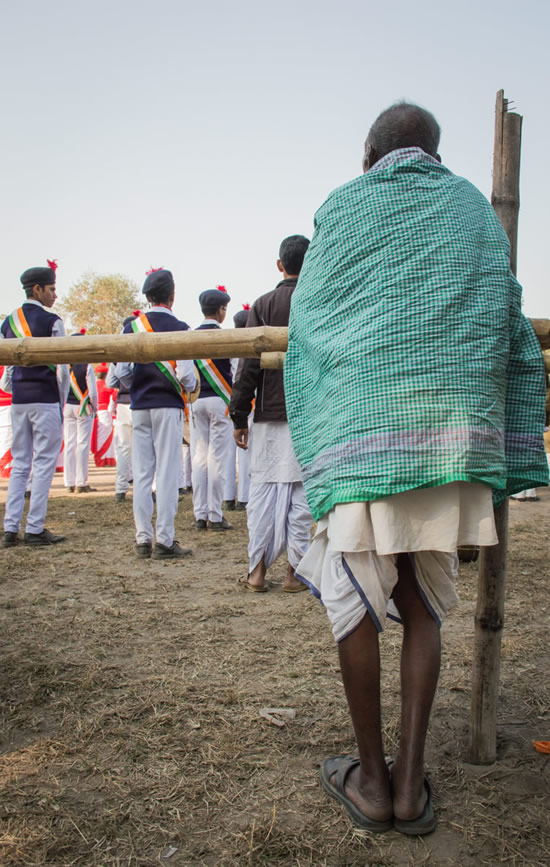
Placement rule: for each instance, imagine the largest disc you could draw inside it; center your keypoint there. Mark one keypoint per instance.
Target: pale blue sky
(198, 136)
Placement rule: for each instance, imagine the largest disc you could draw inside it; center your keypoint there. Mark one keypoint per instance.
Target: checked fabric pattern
(410, 364)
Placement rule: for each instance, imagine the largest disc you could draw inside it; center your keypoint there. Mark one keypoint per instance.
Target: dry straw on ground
(131, 692)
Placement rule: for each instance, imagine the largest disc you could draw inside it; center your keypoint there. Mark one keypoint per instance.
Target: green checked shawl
(410, 364)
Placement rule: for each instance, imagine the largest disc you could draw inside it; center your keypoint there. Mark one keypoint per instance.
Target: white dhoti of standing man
(278, 515)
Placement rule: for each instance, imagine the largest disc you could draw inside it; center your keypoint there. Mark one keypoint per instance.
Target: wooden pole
(268, 343)
(489, 616)
(144, 347)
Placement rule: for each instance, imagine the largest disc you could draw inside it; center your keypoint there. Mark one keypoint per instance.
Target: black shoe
(200, 524)
(9, 540)
(220, 525)
(119, 498)
(154, 496)
(240, 506)
(143, 550)
(180, 493)
(85, 489)
(188, 489)
(43, 538)
(174, 552)
(28, 495)
(70, 489)
(229, 505)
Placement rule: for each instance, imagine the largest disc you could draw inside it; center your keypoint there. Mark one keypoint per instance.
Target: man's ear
(370, 158)
(280, 266)
(438, 158)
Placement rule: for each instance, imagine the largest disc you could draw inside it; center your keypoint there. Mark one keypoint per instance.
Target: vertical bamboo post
(489, 616)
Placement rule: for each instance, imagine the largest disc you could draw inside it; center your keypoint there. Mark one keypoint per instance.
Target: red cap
(102, 367)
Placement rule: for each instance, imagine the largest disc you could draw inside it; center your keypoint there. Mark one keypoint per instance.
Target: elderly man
(415, 397)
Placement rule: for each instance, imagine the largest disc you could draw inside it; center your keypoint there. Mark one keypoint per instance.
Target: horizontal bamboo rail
(266, 342)
(144, 347)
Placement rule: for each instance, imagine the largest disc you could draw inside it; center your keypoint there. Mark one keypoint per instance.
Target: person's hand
(241, 437)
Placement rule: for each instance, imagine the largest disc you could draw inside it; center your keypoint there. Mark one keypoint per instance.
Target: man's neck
(290, 276)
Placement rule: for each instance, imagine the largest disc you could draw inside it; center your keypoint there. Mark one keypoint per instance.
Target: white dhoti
(77, 434)
(37, 437)
(352, 563)
(211, 430)
(123, 447)
(243, 484)
(278, 515)
(5, 442)
(156, 449)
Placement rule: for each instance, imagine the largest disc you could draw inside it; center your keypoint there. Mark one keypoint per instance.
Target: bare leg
(290, 579)
(368, 786)
(257, 577)
(420, 660)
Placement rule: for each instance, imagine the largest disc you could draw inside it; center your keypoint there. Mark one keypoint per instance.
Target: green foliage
(99, 303)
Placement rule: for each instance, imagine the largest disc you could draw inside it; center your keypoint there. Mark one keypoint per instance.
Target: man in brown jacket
(278, 515)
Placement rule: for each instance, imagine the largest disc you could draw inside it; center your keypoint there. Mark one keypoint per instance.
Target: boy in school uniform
(157, 417)
(38, 398)
(211, 428)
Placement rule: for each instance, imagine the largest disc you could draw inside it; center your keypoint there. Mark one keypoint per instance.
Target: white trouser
(5, 441)
(123, 447)
(37, 437)
(156, 449)
(210, 431)
(77, 431)
(186, 467)
(278, 519)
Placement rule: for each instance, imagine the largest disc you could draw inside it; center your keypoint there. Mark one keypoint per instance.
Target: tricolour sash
(214, 379)
(20, 327)
(82, 396)
(168, 368)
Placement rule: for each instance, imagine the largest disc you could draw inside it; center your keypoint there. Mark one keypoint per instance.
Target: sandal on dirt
(423, 824)
(244, 582)
(295, 589)
(334, 772)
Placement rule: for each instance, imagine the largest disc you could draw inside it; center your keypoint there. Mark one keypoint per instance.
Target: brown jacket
(273, 308)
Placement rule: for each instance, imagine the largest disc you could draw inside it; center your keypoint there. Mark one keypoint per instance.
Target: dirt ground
(131, 691)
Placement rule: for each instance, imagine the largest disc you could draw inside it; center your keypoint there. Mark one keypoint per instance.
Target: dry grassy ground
(130, 731)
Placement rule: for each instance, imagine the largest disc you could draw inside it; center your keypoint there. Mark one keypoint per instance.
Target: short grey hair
(404, 125)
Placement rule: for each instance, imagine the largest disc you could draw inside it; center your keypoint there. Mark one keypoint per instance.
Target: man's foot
(255, 580)
(27, 495)
(43, 538)
(412, 802)
(229, 505)
(240, 506)
(368, 805)
(291, 583)
(119, 498)
(9, 540)
(180, 493)
(174, 552)
(200, 524)
(85, 489)
(143, 550)
(187, 489)
(220, 525)
(70, 489)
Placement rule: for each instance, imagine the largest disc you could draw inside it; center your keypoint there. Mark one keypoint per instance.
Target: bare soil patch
(130, 693)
